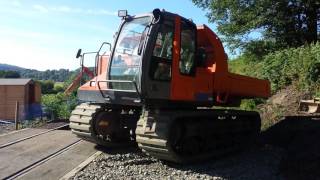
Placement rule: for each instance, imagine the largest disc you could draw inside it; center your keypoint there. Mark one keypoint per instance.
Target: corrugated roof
(14, 81)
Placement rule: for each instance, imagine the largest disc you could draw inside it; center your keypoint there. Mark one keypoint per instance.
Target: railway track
(42, 154)
(28, 168)
(32, 136)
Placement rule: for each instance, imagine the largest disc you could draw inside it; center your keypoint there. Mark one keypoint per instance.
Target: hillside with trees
(9, 74)
(10, 71)
(8, 67)
(60, 75)
(278, 41)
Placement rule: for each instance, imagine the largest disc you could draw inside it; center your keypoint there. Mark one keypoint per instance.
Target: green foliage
(47, 87)
(55, 75)
(52, 103)
(50, 87)
(9, 74)
(255, 50)
(283, 67)
(245, 65)
(293, 64)
(288, 23)
(251, 104)
(248, 104)
(59, 105)
(58, 87)
(317, 94)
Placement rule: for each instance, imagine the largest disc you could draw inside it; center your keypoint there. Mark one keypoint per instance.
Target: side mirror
(201, 56)
(78, 53)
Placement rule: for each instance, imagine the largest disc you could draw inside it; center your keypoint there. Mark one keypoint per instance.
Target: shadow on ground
(300, 137)
(121, 149)
(289, 150)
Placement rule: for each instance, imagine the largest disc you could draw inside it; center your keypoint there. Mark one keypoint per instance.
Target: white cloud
(19, 33)
(64, 9)
(67, 9)
(108, 12)
(40, 8)
(100, 12)
(16, 3)
(34, 57)
(41, 50)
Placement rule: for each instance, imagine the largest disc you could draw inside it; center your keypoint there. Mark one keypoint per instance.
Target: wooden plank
(37, 93)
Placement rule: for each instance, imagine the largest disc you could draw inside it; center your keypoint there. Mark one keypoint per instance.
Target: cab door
(158, 78)
(184, 65)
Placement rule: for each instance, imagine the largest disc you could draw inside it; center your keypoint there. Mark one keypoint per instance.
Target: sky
(47, 34)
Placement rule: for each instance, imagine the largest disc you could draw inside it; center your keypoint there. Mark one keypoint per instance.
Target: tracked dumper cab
(157, 87)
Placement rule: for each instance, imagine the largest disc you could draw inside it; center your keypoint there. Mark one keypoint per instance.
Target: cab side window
(163, 47)
(162, 53)
(188, 49)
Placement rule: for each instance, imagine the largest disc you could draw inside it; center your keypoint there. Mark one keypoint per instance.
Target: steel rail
(41, 161)
(32, 136)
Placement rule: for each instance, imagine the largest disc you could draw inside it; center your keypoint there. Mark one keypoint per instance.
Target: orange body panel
(102, 64)
(102, 69)
(213, 79)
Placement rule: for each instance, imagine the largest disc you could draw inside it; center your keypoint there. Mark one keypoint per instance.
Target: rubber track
(153, 129)
(80, 120)
(81, 125)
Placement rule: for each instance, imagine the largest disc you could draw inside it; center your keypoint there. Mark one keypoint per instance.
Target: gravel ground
(53, 124)
(256, 163)
(5, 128)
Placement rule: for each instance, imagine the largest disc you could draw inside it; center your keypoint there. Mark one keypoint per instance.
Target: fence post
(16, 119)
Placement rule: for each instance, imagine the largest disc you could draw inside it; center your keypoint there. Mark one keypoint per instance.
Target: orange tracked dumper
(157, 88)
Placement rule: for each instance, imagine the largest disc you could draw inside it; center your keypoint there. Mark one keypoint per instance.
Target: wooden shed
(25, 91)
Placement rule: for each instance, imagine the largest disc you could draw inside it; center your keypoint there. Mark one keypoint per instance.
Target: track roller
(102, 125)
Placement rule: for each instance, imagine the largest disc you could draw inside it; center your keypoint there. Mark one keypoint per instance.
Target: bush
(251, 104)
(294, 64)
(47, 86)
(248, 104)
(58, 87)
(283, 67)
(59, 105)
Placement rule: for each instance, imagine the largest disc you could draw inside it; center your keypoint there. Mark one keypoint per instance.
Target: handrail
(117, 90)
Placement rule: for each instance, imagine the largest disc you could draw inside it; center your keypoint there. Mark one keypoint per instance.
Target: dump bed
(226, 84)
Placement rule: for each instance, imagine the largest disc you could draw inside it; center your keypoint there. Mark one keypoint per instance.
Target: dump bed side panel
(245, 86)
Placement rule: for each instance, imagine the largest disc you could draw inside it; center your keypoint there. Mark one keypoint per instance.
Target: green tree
(59, 105)
(47, 87)
(9, 74)
(285, 23)
(58, 87)
(51, 103)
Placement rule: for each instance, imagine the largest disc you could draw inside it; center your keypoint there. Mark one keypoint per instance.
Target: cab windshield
(125, 64)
